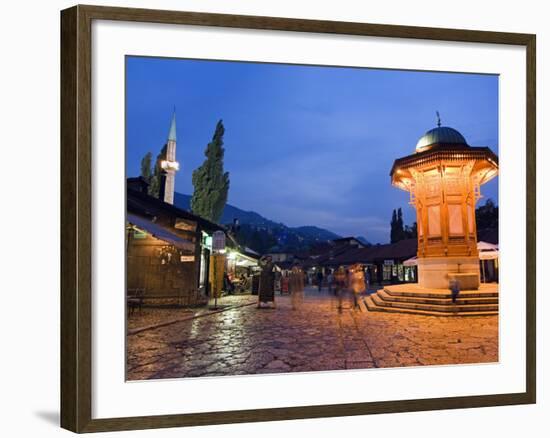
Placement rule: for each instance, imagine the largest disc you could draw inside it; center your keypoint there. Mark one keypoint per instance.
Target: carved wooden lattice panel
(453, 184)
(432, 186)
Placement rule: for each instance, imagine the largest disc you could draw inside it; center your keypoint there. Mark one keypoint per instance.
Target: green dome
(441, 135)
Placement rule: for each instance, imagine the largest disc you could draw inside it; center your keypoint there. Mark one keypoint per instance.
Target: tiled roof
(402, 250)
(143, 204)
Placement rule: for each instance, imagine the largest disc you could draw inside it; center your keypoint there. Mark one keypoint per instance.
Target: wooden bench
(134, 298)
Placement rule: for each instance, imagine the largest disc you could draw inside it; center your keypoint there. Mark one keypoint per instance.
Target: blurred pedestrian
(284, 284)
(330, 281)
(320, 279)
(356, 283)
(228, 285)
(367, 278)
(266, 292)
(340, 285)
(454, 285)
(296, 284)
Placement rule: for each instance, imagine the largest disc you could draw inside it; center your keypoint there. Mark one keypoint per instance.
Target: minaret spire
(172, 133)
(170, 165)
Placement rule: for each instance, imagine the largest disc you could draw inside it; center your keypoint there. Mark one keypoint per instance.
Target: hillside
(262, 234)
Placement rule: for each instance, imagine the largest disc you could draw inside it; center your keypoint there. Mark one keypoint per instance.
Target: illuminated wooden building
(444, 177)
(168, 249)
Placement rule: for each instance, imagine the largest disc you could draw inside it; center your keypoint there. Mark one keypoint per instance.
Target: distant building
(351, 241)
(322, 254)
(384, 263)
(277, 257)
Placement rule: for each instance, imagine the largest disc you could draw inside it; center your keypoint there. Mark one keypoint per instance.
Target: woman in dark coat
(266, 292)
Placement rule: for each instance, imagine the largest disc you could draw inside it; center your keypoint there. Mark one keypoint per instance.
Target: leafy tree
(211, 183)
(256, 238)
(398, 230)
(487, 215)
(411, 231)
(158, 173)
(393, 227)
(146, 171)
(153, 174)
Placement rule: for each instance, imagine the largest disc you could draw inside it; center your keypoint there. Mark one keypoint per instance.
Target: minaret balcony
(170, 165)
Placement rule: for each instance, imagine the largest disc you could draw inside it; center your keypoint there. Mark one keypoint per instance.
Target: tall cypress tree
(393, 227)
(487, 215)
(400, 230)
(146, 171)
(156, 177)
(211, 183)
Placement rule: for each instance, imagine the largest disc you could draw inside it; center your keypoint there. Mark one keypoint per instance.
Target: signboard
(138, 234)
(207, 241)
(218, 241)
(217, 268)
(388, 262)
(182, 224)
(187, 258)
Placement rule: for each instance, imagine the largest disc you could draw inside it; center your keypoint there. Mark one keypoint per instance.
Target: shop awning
(487, 251)
(242, 259)
(413, 261)
(160, 233)
(485, 246)
(245, 262)
(488, 255)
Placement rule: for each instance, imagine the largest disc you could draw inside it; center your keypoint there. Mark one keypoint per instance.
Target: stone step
(363, 305)
(441, 301)
(441, 294)
(371, 306)
(450, 308)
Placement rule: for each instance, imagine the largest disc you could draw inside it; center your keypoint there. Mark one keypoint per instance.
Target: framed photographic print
(268, 218)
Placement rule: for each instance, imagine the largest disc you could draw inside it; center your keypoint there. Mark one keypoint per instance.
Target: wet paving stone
(315, 337)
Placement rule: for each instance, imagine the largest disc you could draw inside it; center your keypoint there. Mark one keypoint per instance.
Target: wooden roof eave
(444, 153)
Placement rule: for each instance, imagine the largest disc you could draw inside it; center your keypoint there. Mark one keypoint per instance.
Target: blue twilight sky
(304, 145)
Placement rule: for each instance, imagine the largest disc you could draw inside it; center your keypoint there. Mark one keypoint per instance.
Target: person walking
(330, 281)
(296, 284)
(454, 285)
(340, 283)
(266, 292)
(284, 283)
(357, 283)
(320, 279)
(228, 285)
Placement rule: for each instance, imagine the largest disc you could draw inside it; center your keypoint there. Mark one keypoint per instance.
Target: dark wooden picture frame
(76, 238)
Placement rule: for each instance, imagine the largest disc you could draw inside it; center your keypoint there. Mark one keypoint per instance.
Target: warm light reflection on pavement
(316, 337)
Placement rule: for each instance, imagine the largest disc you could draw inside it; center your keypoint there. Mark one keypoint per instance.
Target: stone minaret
(170, 165)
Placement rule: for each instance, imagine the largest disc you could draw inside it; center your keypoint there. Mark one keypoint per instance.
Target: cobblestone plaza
(242, 339)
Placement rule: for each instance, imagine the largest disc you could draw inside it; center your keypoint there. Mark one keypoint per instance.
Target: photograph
(289, 218)
(272, 219)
